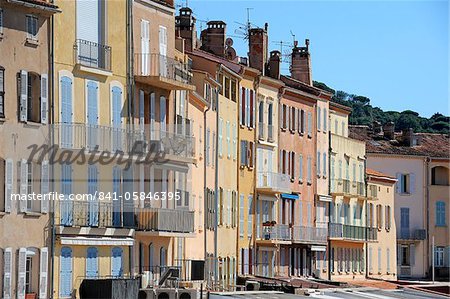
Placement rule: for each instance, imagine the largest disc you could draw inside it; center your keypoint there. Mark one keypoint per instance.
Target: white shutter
(254, 109)
(412, 183)
(23, 95)
(43, 276)
(23, 185)
(22, 273)
(412, 254)
(9, 180)
(7, 272)
(241, 99)
(399, 182)
(44, 98)
(44, 186)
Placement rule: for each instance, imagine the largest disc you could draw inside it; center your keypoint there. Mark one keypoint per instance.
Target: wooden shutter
(412, 183)
(44, 186)
(23, 95)
(7, 272)
(43, 276)
(44, 98)
(116, 262)
(21, 273)
(23, 185)
(65, 287)
(412, 255)
(9, 181)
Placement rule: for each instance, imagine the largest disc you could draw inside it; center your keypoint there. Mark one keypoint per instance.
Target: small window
(32, 27)
(227, 87)
(439, 256)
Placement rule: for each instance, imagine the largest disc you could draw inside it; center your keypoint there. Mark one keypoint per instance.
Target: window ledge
(31, 42)
(94, 71)
(33, 214)
(441, 225)
(32, 124)
(3, 214)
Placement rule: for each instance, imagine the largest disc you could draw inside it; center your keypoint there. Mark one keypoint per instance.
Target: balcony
(273, 182)
(162, 71)
(412, 234)
(262, 128)
(163, 222)
(347, 188)
(92, 214)
(305, 234)
(91, 55)
(182, 270)
(352, 232)
(276, 233)
(372, 192)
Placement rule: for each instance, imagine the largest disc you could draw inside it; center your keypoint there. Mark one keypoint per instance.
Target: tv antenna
(283, 44)
(243, 30)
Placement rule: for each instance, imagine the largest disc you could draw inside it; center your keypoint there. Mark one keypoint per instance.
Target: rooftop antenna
(281, 44)
(243, 30)
(293, 38)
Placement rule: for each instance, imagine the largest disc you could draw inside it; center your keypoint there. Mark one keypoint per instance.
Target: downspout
(427, 196)
(216, 187)
(206, 195)
(367, 228)
(329, 203)
(51, 141)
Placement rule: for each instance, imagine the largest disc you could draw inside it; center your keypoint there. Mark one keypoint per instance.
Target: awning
(318, 248)
(97, 241)
(172, 166)
(289, 196)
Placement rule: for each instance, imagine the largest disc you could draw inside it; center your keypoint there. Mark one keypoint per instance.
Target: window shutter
(141, 110)
(398, 185)
(44, 98)
(9, 180)
(370, 260)
(21, 273)
(303, 121)
(23, 95)
(241, 99)
(44, 186)
(412, 183)
(7, 272)
(23, 185)
(309, 123)
(43, 273)
(412, 255)
(252, 109)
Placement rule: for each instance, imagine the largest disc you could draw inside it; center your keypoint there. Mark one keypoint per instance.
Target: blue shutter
(117, 203)
(92, 189)
(66, 112)
(116, 117)
(65, 272)
(66, 210)
(92, 262)
(116, 262)
(92, 113)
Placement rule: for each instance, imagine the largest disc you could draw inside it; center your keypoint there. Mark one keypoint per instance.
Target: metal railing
(352, 232)
(92, 213)
(160, 65)
(412, 234)
(309, 234)
(273, 180)
(165, 220)
(281, 232)
(92, 54)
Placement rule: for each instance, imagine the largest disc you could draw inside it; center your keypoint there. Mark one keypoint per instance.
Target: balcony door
(163, 65)
(89, 22)
(145, 47)
(404, 223)
(66, 112)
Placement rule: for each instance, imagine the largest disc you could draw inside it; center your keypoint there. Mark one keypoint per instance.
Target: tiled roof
(430, 144)
(375, 173)
(291, 82)
(40, 2)
(235, 67)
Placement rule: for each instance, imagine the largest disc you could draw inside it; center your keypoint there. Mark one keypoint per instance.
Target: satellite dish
(230, 53)
(229, 42)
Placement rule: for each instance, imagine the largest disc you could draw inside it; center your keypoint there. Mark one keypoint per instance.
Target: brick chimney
(273, 67)
(389, 130)
(258, 43)
(213, 38)
(185, 28)
(301, 63)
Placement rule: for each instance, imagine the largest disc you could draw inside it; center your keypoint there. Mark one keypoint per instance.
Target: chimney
(377, 129)
(185, 28)
(409, 138)
(273, 67)
(258, 43)
(301, 63)
(389, 130)
(213, 38)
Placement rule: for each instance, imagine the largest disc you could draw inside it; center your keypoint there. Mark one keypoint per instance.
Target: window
(379, 259)
(29, 170)
(250, 217)
(379, 216)
(2, 87)
(207, 147)
(324, 164)
(292, 165)
(220, 136)
(440, 213)
(343, 128)
(1, 22)
(309, 124)
(284, 116)
(324, 120)
(234, 142)
(227, 87)
(388, 218)
(308, 174)
(361, 172)
(439, 256)
(354, 172)
(404, 255)
(28, 275)
(32, 27)
(439, 174)
(319, 117)
(228, 140)
(300, 166)
(233, 90)
(335, 126)
(303, 123)
(318, 163)
(405, 183)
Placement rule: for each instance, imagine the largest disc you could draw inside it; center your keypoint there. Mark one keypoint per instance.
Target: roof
(430, 145)
(291, 82)
(378, 174)
(38, 2)
(339, 107)
(217, 59)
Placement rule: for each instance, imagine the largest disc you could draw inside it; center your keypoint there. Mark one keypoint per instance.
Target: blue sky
(394, 52)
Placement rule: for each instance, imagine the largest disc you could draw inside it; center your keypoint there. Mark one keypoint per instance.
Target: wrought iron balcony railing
(309, 234)
(412, 234)
(165, 220)
(92, 54)
(279, 232)
(352, 232)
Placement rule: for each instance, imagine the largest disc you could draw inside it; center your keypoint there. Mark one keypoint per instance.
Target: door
(163, 64)
(92, 263)
(66, 112)
(92, 189)
(117, 198)
(116, 118)
(92, 114)
(145, 48)
(65, 272)
(117, 262)
(404, 223)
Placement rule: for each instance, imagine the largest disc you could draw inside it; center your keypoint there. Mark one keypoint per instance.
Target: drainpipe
(367, 228)
(205, 206)
(427, 196)
(51, 141)
(329, 203)
(216, 188)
